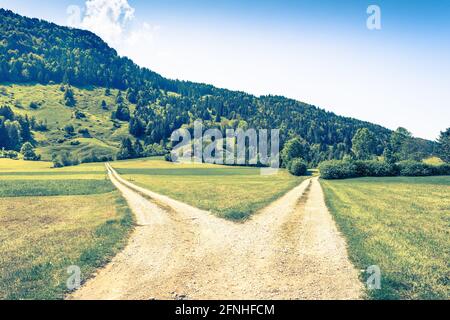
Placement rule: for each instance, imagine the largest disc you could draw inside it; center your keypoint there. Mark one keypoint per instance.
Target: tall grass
(39, 246)
(20, 188)
(400, 224)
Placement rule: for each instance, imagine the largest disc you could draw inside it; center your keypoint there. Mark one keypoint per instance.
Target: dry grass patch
(400, 224)
(42, 236)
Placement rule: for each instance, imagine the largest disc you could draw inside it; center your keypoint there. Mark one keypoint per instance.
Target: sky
(318, 52)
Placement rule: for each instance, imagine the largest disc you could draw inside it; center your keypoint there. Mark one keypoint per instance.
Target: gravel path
(289, 250)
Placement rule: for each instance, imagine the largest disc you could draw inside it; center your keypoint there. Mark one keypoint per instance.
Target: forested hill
(32, 50)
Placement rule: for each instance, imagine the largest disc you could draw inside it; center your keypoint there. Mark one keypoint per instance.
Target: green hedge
(411, 168)
(298, 167)
(338, 169)
(342, 169)
(373, 168)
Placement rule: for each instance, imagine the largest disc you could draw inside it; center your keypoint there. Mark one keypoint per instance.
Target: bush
(168, 157)
(69, 129)
(84, 132)
(77, 114)
(40, 126)
(441, 170)
(298, 167)
(373, 168)
(34, 105)
(94, 157)
(155, 149)
(64, 159)
(342, 169)
(28, 153)
(75, 143)
(412, 168)
(338, 169)
(9, 154)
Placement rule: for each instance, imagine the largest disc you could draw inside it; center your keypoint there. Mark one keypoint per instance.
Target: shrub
(412, 168)
(374, 168)
(298, 167)
(9, 154)
(337, 169)
(40, 126)
(94, 157)
(69, 129)
(75, 143)
(441, 170)
(33, 105)
(63, 159)
(77, 114)
(154, 150)
(168, 157)
(28, 153)
(84, 132)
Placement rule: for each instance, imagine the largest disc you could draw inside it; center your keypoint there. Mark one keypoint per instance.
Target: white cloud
(114, 21)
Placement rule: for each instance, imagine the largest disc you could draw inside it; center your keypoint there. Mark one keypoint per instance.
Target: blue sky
(319, 52)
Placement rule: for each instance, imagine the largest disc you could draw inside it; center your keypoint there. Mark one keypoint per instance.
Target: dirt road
(290, 250)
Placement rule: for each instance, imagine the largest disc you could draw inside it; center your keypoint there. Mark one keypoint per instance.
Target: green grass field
(105, 135)
(230, 192)
(401, 225)
(53, 222)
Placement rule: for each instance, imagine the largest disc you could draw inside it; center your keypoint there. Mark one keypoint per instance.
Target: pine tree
(126, 150)
(122, 113)
(138, 149)
(69, 97)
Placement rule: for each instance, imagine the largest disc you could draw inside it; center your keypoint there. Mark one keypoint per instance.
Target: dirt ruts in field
(289, 250)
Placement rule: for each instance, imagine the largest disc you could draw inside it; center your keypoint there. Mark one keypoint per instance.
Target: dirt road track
(289, 250)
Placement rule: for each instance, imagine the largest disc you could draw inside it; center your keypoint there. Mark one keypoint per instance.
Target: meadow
(52, 219)
(104, 134)
(400, 224)
(229, 192)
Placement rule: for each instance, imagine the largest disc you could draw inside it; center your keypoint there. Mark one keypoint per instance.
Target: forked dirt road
(289, 250)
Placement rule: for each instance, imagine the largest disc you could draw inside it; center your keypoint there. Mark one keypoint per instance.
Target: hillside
(93, 127)
(40, 55)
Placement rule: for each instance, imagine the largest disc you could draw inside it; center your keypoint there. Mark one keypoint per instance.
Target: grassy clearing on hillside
(435, 161)
(230, 192)
(81, 151)
(401, 225)
(105, 134)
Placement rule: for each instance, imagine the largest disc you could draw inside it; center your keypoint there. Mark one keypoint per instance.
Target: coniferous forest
(36, 51)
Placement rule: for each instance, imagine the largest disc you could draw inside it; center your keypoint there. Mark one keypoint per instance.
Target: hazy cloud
(114, 21)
